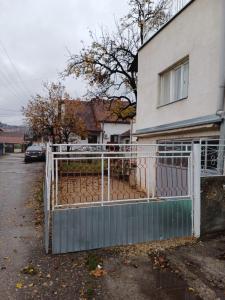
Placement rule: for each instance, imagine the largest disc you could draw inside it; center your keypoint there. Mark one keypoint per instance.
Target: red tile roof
(96, 111)
(11, 138)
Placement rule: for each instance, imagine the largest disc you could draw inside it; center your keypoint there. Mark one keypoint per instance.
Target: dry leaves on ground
(98, 272)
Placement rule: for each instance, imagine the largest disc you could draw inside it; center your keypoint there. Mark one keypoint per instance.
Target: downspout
(103, 131)
(221, 104)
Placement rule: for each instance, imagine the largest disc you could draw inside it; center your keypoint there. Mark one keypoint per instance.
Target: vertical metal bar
(53, 181)
(109, 179)
(154, 164)
(48, 177)
(196, 193)
(56, 181)
(190, 175)
(102, 171)
(148, 184)
(206, 155)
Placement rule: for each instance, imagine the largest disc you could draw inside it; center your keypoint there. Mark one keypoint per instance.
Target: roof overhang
(195, 124)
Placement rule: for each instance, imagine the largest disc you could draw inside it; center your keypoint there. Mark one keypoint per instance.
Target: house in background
(181, 77)
(11, 142)
(101, 121)
(2, 148)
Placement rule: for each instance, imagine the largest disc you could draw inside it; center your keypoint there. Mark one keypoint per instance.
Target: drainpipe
(103, 131)
(221, 104)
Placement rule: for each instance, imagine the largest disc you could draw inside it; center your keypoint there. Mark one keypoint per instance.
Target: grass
(90, 292)
(93, 261)
(93, 166)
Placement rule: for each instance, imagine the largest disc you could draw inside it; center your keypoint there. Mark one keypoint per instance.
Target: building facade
(181, 76)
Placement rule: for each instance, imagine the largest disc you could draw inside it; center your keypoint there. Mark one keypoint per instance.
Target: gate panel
(46, 217)
(104, 226)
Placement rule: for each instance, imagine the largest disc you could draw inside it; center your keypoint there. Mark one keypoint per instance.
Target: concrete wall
(212, 204)
(198, 32)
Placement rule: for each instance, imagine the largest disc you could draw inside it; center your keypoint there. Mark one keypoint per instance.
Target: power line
(15, 69)
(7, 115)
(11, 87)
(6, 109)
(29, 80)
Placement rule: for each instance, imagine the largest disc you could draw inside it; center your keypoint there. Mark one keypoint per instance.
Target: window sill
(182, 99)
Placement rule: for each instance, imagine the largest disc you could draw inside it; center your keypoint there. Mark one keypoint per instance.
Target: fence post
(108, 179)
(196, 189)
(102, 178)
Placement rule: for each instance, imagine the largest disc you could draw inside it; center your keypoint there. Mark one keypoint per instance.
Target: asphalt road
(17, 231)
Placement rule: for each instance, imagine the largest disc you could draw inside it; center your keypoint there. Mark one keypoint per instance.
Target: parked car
(34, 153)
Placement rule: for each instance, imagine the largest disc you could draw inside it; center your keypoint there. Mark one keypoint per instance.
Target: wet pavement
(17, 231)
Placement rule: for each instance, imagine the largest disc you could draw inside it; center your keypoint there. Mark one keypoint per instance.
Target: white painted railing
(118, 173)
(177, 5)
(174, 6)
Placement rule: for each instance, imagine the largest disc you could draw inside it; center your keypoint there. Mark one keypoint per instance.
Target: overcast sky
(34, 36)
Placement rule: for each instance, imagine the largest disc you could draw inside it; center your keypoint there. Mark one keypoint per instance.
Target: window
(92, 139)
(114, 139)
(174, 83)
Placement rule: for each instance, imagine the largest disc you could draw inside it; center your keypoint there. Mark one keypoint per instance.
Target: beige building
(181, 76)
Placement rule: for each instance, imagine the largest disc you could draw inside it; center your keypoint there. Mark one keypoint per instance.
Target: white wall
(199, 31)
(114, 128)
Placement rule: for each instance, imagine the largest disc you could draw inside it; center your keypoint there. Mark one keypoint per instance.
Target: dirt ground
(81, 189)
(153, 271)
(178, 269)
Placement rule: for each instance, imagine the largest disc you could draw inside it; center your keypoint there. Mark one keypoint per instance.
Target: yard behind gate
(106, 195)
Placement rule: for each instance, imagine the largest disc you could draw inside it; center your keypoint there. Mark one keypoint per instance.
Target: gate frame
(196, 197)
(194, 187)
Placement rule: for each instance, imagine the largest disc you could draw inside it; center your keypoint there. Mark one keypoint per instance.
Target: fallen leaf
(31, 270)
(98, 272)
(19, 285)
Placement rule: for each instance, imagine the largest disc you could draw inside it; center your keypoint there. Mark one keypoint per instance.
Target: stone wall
(212, 204)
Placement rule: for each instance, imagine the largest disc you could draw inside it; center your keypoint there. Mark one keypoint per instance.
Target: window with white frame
(174, 83)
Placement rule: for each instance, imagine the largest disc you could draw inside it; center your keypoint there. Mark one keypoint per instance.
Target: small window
(92, 139)
(114, 139)
(174, 84)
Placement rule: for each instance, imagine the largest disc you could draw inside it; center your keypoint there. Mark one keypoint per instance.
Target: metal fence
(118, 173)
(212, 158)
(104, 195)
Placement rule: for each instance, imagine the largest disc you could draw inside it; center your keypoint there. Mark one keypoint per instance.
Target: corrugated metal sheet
(97, 227)
(46, 219)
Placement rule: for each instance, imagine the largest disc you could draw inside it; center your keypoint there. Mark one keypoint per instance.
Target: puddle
(167, 286)
(174, 287)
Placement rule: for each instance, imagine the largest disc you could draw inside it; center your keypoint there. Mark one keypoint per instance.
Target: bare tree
(147, 15)
(105, 63)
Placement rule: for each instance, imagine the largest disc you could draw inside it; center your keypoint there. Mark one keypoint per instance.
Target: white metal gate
(105, 195)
